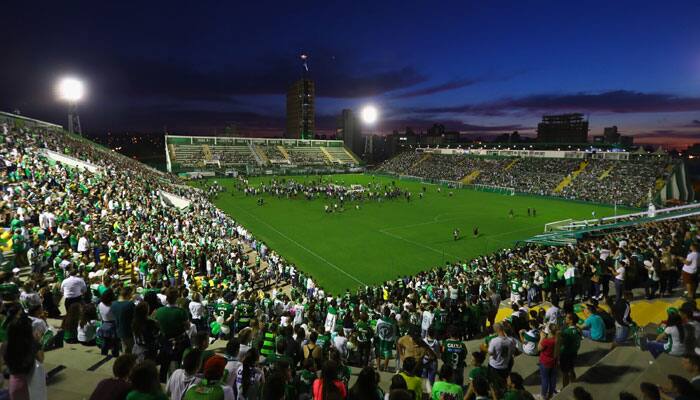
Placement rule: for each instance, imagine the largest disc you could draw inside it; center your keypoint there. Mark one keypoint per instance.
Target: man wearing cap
(73, 288)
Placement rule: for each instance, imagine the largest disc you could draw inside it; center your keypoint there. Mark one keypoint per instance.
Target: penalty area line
(313, 253)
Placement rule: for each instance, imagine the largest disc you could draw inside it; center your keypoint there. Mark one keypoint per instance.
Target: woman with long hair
(672, 340)
(328, 386)
(249, 378)
(145, 331)
(108, 329)
(367, 386)
(23, 357)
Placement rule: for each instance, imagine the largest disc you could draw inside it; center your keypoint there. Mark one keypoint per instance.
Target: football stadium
(226, 257)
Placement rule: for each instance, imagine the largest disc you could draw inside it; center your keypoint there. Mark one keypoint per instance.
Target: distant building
(400, 141)
(564, 128)
(611, 135)
(436, 130)
(300, 110)
(350, 132)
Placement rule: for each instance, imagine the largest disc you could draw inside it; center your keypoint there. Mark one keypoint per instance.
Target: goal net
(558, 225)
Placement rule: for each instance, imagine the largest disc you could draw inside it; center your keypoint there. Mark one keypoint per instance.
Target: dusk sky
(483, 67)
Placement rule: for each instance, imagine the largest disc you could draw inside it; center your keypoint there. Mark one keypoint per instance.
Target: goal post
(557, 225)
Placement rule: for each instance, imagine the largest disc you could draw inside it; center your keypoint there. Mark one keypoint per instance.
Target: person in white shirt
(690, 271)
(73, 289)
(185, 377)
(83, 245)
(501, 350)
(197, 311)
(553, 314)
(29, 297)
(87, 326)
(39, 324)
(340, 342)
(426, 321)
(530, 339)
(619, 278)
(232, 361)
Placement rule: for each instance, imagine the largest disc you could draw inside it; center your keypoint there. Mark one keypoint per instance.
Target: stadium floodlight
(71, 89)
(369, 114)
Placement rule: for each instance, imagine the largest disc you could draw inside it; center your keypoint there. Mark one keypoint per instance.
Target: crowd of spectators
(273, 154)
(197, 276)
(625, 182)
(306, 156)
(604, 181)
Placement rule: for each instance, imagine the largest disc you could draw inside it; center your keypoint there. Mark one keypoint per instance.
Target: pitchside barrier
(567, 231)
(652, 214)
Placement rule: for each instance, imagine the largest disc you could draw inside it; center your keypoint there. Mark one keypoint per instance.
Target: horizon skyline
(485, 70)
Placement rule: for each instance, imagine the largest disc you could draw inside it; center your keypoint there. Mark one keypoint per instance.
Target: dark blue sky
(479, 67)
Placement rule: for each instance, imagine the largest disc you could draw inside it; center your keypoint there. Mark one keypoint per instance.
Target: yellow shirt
(414, 384)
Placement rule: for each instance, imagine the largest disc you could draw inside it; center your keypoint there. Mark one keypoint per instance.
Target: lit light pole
(72, 91)
(369, 115)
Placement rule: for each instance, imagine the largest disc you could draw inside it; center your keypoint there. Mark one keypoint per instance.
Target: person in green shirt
(144, 383)
(570, 340)
(364, 338)
(307, 376)
(173, 322)
(477, 364)
(386, 339)
(19, 248)
(172, 319)
(123, 311)
(516, 389)
(454, 353)
(225, 310)
(444, 389)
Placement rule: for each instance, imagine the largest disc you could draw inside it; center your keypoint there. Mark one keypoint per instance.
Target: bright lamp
(71, 89)
(369, 114)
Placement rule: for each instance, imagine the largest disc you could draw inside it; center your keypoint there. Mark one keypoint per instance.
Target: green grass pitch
(382, 241)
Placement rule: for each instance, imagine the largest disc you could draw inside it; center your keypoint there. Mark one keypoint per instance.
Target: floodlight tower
(369, 115)
(72, 91)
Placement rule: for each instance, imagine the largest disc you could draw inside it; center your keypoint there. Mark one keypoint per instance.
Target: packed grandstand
(625, 181)
(197, 153)
(104, 256)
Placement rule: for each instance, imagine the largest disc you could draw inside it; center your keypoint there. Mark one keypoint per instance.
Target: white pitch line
(418, 244)
(305, 248)
(434, 221)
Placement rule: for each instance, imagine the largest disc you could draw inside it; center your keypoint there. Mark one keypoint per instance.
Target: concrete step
(612, 374)
(657, 372)
(589, 354)
(72, 383)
